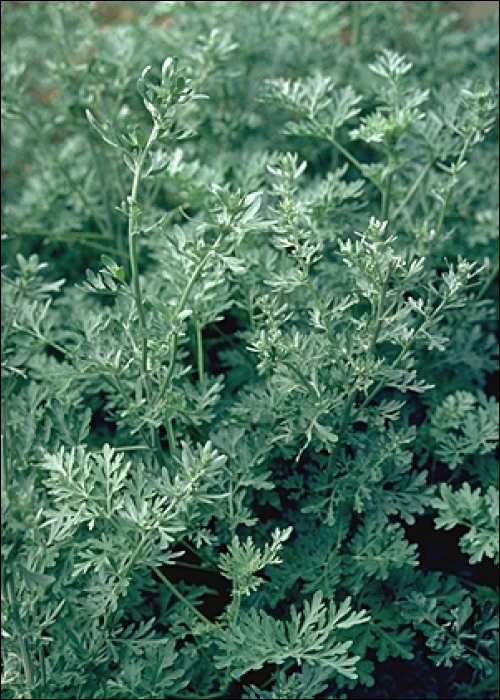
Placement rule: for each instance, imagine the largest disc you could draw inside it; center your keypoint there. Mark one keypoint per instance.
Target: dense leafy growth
(249, 341)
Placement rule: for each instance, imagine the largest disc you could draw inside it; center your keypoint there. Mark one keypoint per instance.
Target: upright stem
(413, 189)
(235, 606)
(380, 309)
(133, 230)
(175, 338)
(199, 351)
(446, 199)
(180, 307)
(351, 396)
(304, 381)
(5, 471)
(386, 198)
(405, 350)
(171, 435)
(346, 417)
(117, 384)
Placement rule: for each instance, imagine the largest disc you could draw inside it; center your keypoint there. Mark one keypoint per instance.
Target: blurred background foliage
(61, 185)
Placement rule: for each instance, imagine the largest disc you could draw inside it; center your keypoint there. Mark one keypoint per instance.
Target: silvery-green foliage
(249, 323)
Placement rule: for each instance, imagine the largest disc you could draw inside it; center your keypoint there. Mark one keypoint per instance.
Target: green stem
(442, 628)
(352, 159)
(123, 573)
(346, 417)
(183, 599)
(386, 197)
(199, 351)
(304, 381)
(118, 385)
(447, 196)
(421, 176)
(347, 154)
(43, 668)
(382, 382)
(133, 231)
(49, 343)
(212, 563)
(322, 309)
(5, 467)
(235, 606)
(171, 436)
(171, 365)
(83, 238)
(405, 350)
(380, 310)
(89, 244)
(489, 280)
(180, 307)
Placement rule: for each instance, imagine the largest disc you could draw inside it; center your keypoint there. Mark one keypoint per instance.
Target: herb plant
(249, 344)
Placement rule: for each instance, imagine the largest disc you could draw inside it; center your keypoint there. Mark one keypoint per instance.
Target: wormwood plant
(248, 348)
